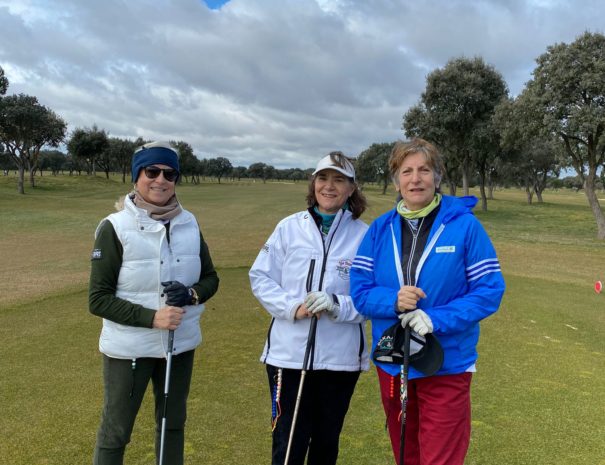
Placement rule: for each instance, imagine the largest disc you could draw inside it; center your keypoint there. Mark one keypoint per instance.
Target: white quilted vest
(147, 261)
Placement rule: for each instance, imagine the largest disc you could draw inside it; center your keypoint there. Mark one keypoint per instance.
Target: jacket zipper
(412, 281)
(325, 256)
(324, 263)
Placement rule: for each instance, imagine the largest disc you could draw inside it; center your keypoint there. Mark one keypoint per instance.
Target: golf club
(166, 386)
(404, 389)
(308, 351)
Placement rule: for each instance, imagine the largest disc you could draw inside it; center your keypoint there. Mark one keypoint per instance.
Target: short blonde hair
(401, 150)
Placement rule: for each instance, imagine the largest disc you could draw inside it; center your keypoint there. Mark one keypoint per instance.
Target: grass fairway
(538, 395)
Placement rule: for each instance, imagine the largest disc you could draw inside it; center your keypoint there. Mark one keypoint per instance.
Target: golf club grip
(406, 350)
(168, 360)
(170, 340)
(310, 342)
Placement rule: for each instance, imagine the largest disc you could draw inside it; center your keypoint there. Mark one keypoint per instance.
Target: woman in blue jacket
(430, 264)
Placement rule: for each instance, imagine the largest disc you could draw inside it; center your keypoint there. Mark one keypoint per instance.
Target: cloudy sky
(278, 81)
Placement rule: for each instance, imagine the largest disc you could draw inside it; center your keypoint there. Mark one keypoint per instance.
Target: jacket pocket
(309, 284)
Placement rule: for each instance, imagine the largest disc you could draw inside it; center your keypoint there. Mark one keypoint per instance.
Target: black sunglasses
(153, 172)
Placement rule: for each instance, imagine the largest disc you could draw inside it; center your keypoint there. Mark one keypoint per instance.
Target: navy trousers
(324, 403)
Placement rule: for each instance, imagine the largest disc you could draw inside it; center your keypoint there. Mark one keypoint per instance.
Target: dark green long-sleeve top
(106, 262)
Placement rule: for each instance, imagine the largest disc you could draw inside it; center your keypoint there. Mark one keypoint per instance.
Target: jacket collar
(451, 207)
(142, 217)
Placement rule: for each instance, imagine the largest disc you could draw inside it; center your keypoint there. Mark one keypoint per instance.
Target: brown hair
(401, 150)
(357, 201)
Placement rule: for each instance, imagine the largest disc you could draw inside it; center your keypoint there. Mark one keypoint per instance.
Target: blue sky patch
(215, 4)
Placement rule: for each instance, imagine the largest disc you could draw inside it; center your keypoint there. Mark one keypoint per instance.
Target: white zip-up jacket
(147, 261)
(294, 261)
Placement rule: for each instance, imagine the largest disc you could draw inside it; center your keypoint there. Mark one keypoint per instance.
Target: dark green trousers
(125, 387)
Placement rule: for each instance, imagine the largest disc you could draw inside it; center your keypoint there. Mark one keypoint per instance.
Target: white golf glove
(320, 301)
(418, 320)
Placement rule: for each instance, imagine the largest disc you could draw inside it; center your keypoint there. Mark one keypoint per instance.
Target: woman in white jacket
(303, 271)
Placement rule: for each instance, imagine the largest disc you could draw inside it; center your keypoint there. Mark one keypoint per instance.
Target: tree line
(488, 137)
(492, 138)
(91, 150)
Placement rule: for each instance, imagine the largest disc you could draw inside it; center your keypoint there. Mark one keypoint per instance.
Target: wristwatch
(333, 314)
(195, 299)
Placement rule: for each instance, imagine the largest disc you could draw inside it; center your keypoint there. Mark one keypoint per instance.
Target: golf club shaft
(308, 351)
(295, 415)
(166, 387)
(404, 397)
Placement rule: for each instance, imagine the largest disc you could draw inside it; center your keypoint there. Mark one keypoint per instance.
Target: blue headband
(153, 156)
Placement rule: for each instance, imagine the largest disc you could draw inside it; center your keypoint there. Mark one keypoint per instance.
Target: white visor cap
(326, 163)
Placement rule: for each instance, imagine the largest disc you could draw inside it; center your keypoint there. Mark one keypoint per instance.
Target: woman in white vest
(151, 272)
(303, 271)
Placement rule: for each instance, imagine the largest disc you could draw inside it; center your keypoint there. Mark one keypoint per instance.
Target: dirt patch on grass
(34, 265)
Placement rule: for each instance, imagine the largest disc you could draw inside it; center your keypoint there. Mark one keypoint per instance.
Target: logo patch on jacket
(446, 249)
(265, 248)
(343, 268)
(96, 254)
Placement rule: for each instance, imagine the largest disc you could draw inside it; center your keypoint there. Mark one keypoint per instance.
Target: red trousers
(438, 421)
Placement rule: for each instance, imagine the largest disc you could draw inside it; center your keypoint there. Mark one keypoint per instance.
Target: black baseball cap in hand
(426, 353)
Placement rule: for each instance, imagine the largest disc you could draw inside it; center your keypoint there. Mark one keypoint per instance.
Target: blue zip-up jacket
(458, 271)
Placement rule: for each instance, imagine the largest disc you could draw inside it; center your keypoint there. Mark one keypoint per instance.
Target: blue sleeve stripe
(360, 259)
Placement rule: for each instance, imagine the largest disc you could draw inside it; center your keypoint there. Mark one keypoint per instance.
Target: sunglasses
(153, 172)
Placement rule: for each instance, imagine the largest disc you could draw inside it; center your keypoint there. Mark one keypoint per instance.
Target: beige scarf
(159, 213)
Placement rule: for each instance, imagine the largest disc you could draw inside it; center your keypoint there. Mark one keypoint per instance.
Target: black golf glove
(177, 294)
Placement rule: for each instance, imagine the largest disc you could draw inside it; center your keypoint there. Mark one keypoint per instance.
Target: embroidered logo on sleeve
(265, 248)
(96, 254)
(344, 267)
(446, 249)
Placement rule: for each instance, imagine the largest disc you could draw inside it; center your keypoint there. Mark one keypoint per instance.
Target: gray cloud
(278, 81)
